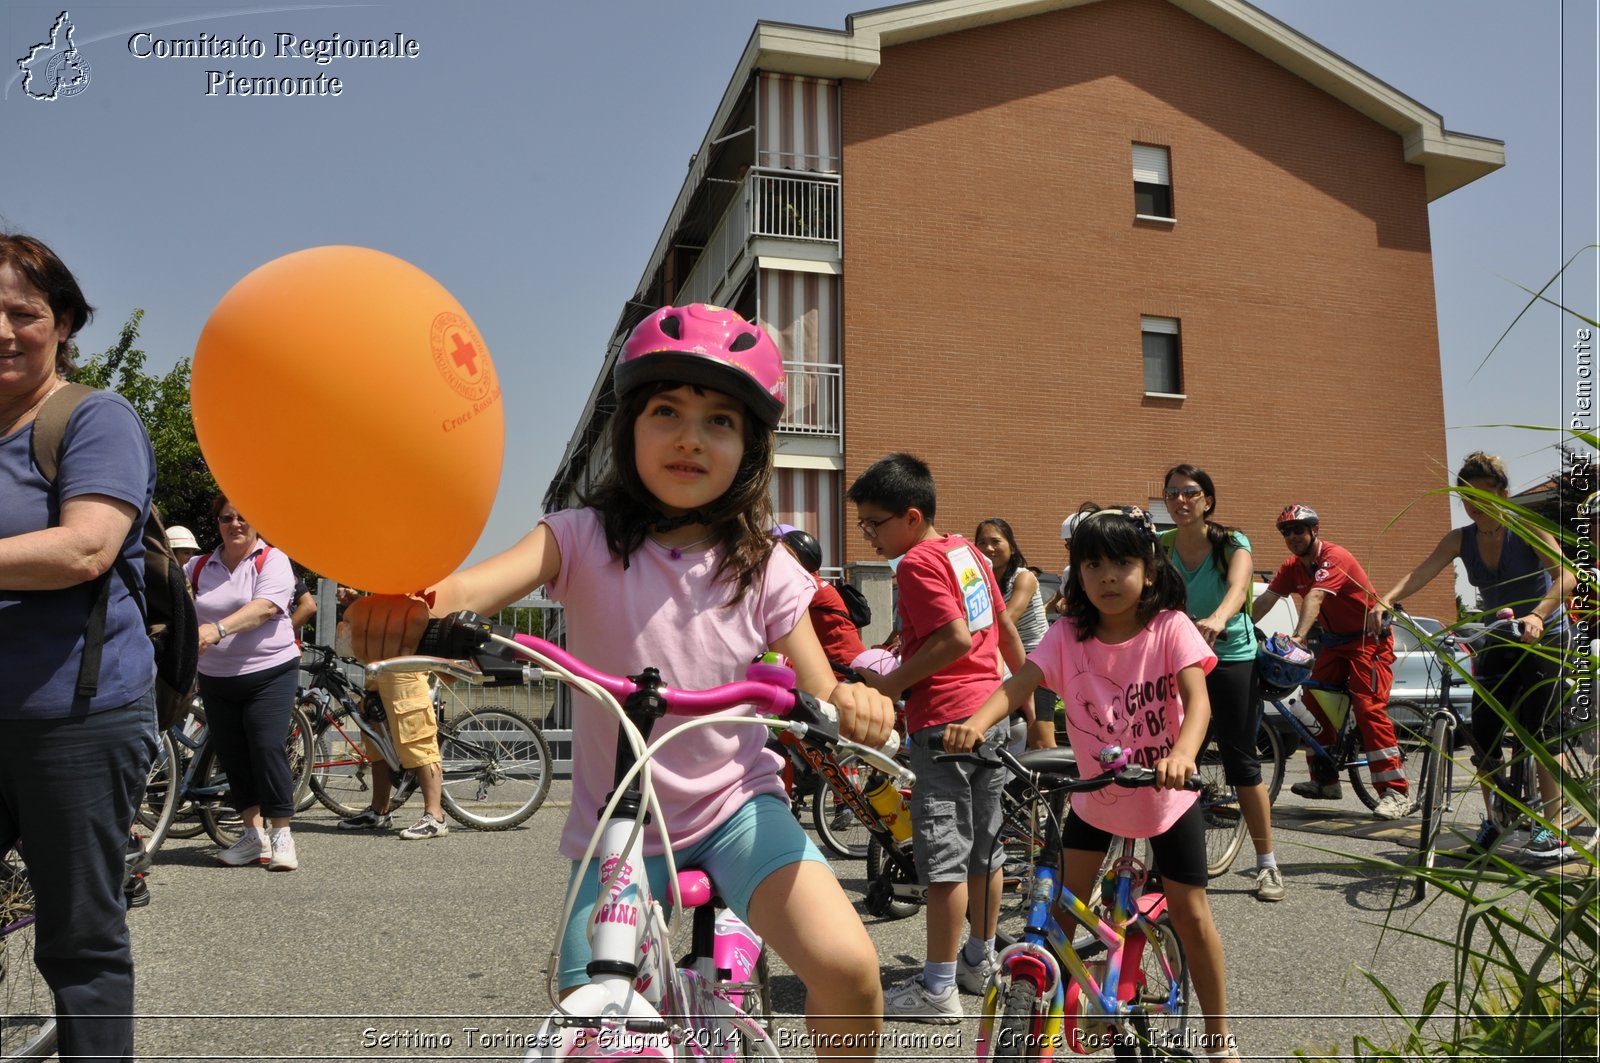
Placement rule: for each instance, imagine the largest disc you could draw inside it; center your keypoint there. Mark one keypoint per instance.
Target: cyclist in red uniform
(1335, 589)
(841, 642)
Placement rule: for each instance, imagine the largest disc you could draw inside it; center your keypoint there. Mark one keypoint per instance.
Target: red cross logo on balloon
(460, 356)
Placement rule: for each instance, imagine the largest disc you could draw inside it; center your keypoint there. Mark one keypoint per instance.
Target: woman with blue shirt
(1509, 572)
(75, 741)
(1215, 564)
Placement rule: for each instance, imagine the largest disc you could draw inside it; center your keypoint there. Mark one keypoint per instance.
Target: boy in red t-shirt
(953, 630)
(1334, 587)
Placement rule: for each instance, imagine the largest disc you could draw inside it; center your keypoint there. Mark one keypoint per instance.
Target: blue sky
(528, 156)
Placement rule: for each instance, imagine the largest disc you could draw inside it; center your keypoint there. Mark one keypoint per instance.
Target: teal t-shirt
(1208, 585)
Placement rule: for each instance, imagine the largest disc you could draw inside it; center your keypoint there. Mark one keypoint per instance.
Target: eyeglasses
(1286, 530)
(870, 527)
(235, 519)
(1175, 493)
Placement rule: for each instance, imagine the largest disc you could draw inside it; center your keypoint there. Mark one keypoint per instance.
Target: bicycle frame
(1341, 755)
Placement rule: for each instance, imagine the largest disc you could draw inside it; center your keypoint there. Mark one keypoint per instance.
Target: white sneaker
(1269, 884)
(1393, 805)
(284, 857)
(975, 979)
(251, 848)
(910, 1001)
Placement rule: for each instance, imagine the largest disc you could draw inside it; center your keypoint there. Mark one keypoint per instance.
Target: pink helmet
(710, 347)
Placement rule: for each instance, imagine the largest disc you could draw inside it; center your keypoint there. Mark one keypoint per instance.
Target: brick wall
(994, 278)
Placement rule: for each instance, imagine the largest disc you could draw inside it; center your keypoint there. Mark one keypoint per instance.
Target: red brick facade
(994, 279)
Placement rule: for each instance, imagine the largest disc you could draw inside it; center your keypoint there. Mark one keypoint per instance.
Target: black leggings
(1180, 852)
(248, 717)
(1527, 682)
(1235, 716)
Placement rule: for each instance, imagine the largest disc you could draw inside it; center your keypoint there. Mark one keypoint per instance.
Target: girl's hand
(1211, 629)
(1173, 770)
(865, 715)
(386, 625)
(961, 737)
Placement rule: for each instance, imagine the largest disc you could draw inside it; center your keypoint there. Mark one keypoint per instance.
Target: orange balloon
(371, 362)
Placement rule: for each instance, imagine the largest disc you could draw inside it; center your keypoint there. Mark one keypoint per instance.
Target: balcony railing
(814, 393)
(775, 204)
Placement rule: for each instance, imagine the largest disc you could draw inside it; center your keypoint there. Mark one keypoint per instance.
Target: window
(1162, 363)
(1152, 182)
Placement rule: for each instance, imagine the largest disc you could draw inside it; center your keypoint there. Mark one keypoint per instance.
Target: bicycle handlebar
(469, 647)
(1130, 775)
(1503, 628)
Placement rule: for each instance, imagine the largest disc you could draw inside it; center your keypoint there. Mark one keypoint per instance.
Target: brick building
(1054, 247)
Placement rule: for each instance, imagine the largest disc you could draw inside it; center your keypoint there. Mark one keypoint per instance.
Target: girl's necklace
(676, 552)
(30, 411)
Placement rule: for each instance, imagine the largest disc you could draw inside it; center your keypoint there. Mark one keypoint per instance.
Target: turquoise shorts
(758, 839)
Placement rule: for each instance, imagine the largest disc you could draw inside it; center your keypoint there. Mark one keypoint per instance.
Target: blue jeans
(68, 790)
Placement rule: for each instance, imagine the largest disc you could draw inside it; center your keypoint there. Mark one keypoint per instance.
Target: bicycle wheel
(220, 821)
(496, 769)
(161, 788)
(1160, 1004)
(341, 771)
(1435, 783)
(298, 747)
(186, 817)
(1013, 1037)
(883, 875)
(1273, 757)
(1357, 772)
(1219, 807)
(840, 829)
(27, 1007)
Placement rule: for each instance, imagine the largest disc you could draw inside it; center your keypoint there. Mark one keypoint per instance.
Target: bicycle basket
(1282, 666)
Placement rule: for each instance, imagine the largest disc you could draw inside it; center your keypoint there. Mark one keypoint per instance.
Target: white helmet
(1070, 525)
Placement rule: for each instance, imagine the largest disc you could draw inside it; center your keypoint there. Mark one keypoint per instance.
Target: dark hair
(1219, 535)
(1017, 560)
(898, 482)
(1481, 466)
(1112, 534)
(42, 269)
(740, 520)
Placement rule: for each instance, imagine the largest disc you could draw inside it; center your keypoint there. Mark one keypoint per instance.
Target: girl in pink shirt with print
(1131, 667)
(671, 565)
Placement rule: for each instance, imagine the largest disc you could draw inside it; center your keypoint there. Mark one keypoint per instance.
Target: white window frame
(1152, 165)
(1162, 326)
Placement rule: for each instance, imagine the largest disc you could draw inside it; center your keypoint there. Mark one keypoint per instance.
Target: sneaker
(1269, 884)
(1394, 804)
(136, 893)
(975, 978)
(426, 827)
(1318, 791)
(1487, 839)
(367, 819)
(1547, 847)
(910, 1001)
(251, 848)
(284, 858)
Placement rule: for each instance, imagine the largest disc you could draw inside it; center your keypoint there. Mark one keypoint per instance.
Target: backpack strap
(50, 427)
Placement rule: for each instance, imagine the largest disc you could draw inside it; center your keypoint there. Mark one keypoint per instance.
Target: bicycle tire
(838, 827)
(219, 820)
(1013, 1037)
(304, 797)
(1273, 756)
(27, 1006)
(186, 817)
(1219, 808)
(882, 876)
(1435, 782)
(1161, 1036)
(298, 748)
(341, 771)
(160, 802)
(496, 767)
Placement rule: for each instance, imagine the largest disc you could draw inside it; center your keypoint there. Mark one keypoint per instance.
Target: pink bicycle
(713, 1004)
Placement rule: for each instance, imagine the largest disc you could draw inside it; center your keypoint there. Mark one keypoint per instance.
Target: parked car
(1417, 678)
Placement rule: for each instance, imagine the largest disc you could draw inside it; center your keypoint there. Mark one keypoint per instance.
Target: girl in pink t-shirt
(1130, 666)
(672, 565)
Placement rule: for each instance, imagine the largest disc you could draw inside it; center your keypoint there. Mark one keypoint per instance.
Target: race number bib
(974, 588)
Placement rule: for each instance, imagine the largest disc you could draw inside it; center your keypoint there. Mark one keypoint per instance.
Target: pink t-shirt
(670, 614)
(1125, 695)
(220, 593)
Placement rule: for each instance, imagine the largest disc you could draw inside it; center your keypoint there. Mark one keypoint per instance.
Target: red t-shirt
(841, 642)
(1336, 571)
(941, 580)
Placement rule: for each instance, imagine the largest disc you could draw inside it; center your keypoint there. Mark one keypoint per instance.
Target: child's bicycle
(496, 764)
(712, 1004)
(1050, 992)
(1513, 783)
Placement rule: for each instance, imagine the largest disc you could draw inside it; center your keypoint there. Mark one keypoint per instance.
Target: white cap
(181, 538)
(1070, 525)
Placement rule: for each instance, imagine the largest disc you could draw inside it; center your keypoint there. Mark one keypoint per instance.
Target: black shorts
(1180, 852)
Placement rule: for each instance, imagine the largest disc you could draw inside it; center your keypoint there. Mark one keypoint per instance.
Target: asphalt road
(383, 949)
